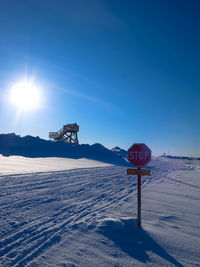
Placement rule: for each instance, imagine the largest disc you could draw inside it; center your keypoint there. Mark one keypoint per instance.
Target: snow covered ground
(18, 164)
(87, 217)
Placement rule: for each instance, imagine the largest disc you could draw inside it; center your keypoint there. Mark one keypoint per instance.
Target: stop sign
(139, 155)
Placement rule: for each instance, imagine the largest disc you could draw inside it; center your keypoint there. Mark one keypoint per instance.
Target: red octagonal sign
(139, 154)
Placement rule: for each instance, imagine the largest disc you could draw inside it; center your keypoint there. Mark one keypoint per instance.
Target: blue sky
(125, 71)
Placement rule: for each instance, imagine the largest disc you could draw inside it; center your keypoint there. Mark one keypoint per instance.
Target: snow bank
(120, 152)
(28, 146)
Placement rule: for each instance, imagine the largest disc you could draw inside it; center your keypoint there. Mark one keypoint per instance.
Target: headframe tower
(69, 134)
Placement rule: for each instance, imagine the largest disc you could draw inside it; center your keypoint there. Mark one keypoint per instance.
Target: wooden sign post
(139, 155)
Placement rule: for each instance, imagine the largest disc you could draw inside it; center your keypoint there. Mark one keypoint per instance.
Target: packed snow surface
(87, 217)
(18, 164)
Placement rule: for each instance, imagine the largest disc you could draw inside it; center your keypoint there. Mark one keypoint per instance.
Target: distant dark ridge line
(180, 157)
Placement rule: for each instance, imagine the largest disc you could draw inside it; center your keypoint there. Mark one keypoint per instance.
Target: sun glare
(25, 95)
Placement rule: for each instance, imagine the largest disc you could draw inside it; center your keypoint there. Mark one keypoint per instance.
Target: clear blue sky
(125, 71)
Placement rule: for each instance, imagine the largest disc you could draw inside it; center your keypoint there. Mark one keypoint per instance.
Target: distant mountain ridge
(180, 157)
(29, 146)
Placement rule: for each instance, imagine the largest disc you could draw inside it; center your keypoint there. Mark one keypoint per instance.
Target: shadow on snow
(133, 241)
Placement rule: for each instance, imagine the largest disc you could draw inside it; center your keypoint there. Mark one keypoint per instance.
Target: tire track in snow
(97, 189)
(28, 229)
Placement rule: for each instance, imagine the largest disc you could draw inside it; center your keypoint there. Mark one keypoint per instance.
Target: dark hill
(29, 146)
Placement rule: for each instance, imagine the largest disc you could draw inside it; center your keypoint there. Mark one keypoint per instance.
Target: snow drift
(120, 152)
(29, 146)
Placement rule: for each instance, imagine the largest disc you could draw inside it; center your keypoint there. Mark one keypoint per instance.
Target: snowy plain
(72, 212)
(18, 164)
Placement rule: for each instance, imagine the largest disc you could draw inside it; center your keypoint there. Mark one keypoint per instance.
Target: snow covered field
(52, 216)
(18, 164)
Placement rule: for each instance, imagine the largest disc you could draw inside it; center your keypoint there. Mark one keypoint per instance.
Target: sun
(25, 95)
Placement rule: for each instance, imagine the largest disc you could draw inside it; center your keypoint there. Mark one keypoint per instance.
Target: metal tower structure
(69, 134)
